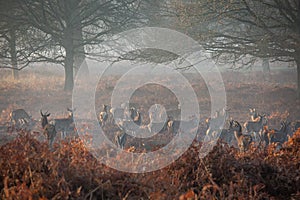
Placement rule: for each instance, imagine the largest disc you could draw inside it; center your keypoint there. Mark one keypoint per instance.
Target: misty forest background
(237, 33)
(254, 43)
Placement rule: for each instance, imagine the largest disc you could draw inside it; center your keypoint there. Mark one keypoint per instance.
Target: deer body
(243, 141)
(64, 125)
(256, 127)
(19, 117)
(253, 115)
(227, 135)
(120, 139)
(278, 136)
(49, 129)
(296, 126)
(103, 115)
(135, 115)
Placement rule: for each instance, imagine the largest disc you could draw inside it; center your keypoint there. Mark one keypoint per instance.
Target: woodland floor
(28, 170)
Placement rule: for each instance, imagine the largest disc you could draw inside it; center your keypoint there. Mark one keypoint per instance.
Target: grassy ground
(30, 171)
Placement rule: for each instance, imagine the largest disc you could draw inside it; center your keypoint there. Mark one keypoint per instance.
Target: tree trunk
(69, 60)
(266, 66)
(79, 52)
(298, 77)
(266, 69)
(13, 54)
(69, 79)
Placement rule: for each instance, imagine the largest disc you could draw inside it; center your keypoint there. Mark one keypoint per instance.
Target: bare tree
(75, 26)
(244, 30)
(16, 42)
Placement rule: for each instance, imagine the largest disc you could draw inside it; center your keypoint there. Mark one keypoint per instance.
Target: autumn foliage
(29, 170)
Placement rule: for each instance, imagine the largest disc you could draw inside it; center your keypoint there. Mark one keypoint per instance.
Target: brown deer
(256, 127)
(103, 115)
(19, 118)
(64, 125)
(135, 115)
(49, 129)
(254, 115)
(243, 141)
(278, 136)
(120, 139)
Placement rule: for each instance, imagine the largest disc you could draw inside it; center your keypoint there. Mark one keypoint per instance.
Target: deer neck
(237, 134)
(44, 122)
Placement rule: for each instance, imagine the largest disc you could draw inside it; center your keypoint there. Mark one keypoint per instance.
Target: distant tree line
(62, 31)
(66, 31)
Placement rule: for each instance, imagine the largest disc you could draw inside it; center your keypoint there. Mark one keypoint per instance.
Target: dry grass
(28, 170)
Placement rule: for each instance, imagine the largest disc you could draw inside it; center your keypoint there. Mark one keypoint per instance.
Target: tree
(75, 25)
(245, 29)
(8, 52)
(15, 51)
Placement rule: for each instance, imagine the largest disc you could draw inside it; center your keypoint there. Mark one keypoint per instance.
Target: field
(29, 170)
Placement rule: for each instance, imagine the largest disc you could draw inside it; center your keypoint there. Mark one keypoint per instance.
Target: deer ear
(48, 115)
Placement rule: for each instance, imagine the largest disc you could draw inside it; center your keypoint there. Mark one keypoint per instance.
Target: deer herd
(254, 131)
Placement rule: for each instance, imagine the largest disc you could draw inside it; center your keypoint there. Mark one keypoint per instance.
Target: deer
(278, 136)
(19, 117)
(215, 123)
(64, 125)
(170, 124)
(157, 113)
(256, 127)
(156, 127)
(296, 126)
(254, 115)
(135, 115)
(49, 129)
(103, 115)
(227, 135)
(243, 141)
(120, 139)
(116, 114)
(119, 113)
(177, 126)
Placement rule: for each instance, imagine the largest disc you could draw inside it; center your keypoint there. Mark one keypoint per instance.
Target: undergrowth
(29, 170)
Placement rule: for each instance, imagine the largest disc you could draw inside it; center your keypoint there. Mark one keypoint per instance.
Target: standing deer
(49, 129)
(19, 117)
(135, 116)
(120, 139)
(278, 136)
(64, 125)
(227, 135)
(256, 127)
(215, 123)
(103, 115)
(120, 113)
(296, 126)
(254, 115)
(170, 125)
(243, 141)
